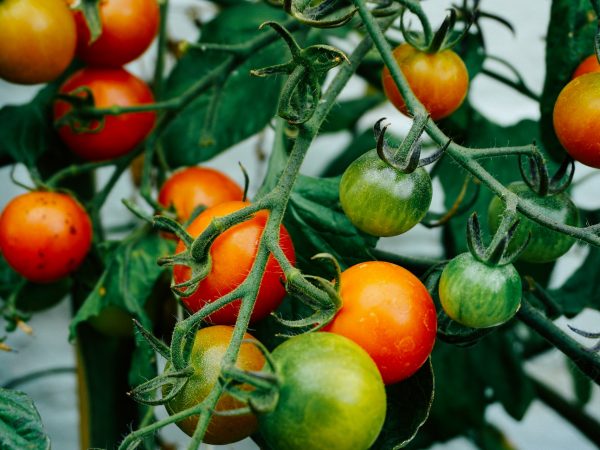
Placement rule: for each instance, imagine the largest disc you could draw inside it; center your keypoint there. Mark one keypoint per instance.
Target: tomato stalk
(161, 51)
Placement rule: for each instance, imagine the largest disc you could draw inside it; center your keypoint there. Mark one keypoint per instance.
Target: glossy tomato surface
(381, 200)
(477, 295)
(209, 348)
(439, 80)
(191, 187)
(233, 254)
(545, 245)
(37, 40)
(44, 236)
(576, 117)
(128, 29)
(388, 312)
(121, 133)
(331, 396)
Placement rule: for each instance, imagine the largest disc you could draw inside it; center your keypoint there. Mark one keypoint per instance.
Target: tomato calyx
(407, 157)
(306, 72)
(91, 14)
(538, 179)
(80, 118)
(497, 253)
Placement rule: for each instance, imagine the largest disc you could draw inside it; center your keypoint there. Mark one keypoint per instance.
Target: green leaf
(130, 273)
(244, 104)
(344, 115)
(471, 49)
(20, 423)
(582, 385)
(408, 406)
(317, 224)
(570, 38)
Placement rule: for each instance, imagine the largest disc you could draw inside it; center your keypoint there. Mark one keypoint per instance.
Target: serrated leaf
(190, 138)
(408, 406)
(20, 423)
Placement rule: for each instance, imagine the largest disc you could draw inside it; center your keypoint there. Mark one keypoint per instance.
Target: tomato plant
(191, 187)
(332, 395)
(396, 315)
(381, 200)
(544, 245)
(479, 295)
(128, 29)
(37, 40)
(232, 255)
(118, 135)
(439, 80)
(209, 348)
(44, 235)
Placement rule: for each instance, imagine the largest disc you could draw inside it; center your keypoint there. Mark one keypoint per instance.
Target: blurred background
(55, 395)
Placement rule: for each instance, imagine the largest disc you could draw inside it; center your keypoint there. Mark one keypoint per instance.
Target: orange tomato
(389, 313)
(191, 187)
(232, 255)
(588, 65)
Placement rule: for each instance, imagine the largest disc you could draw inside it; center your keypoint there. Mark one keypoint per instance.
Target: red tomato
(439, 80)
(37, 40)
(388, 312)
(576, 117)
(588, 65)
(233, 254)
(44, 236)
(122, 133)
(191, 187)
(128, 29)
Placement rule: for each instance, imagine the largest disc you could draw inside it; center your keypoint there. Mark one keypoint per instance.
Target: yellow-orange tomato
(44, 235)
(232, 254)
(576, 117)
(191, 187)
(389, 313)
(588, 65)
(209, 348)
(439, 80)
(128, 29)
(37, 40)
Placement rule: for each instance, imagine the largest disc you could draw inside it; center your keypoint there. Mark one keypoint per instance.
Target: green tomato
(545, 245)
(381, 200)
(331, 396)
(478, 295)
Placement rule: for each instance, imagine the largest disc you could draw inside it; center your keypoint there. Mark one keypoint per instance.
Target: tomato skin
(128, 29)
(232, 255)
(389, 313)
(209, 348)
(588, 65)
(381, 200)
(545, 245)
(191, 187)
(439, 80)
(44, 236)
(331, 396)
(122, 133)
(37, 40)
(576, 116)
(477, 295)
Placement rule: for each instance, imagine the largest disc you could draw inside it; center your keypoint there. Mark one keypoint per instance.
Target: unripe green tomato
(545, 245)
(478, 295)
(331, 396)
(381, 200)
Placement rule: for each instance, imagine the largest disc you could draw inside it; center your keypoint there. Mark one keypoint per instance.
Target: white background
(541, 429)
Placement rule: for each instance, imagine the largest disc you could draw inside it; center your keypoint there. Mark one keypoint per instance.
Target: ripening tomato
(191, 187)
(209, 348)
(232, 255)
(588, 65)
(37, 40)
(439, 80)
(128, 29)
(121, 133)
(576, 117)
(331, 396)
(44, 236)
(388, 312)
